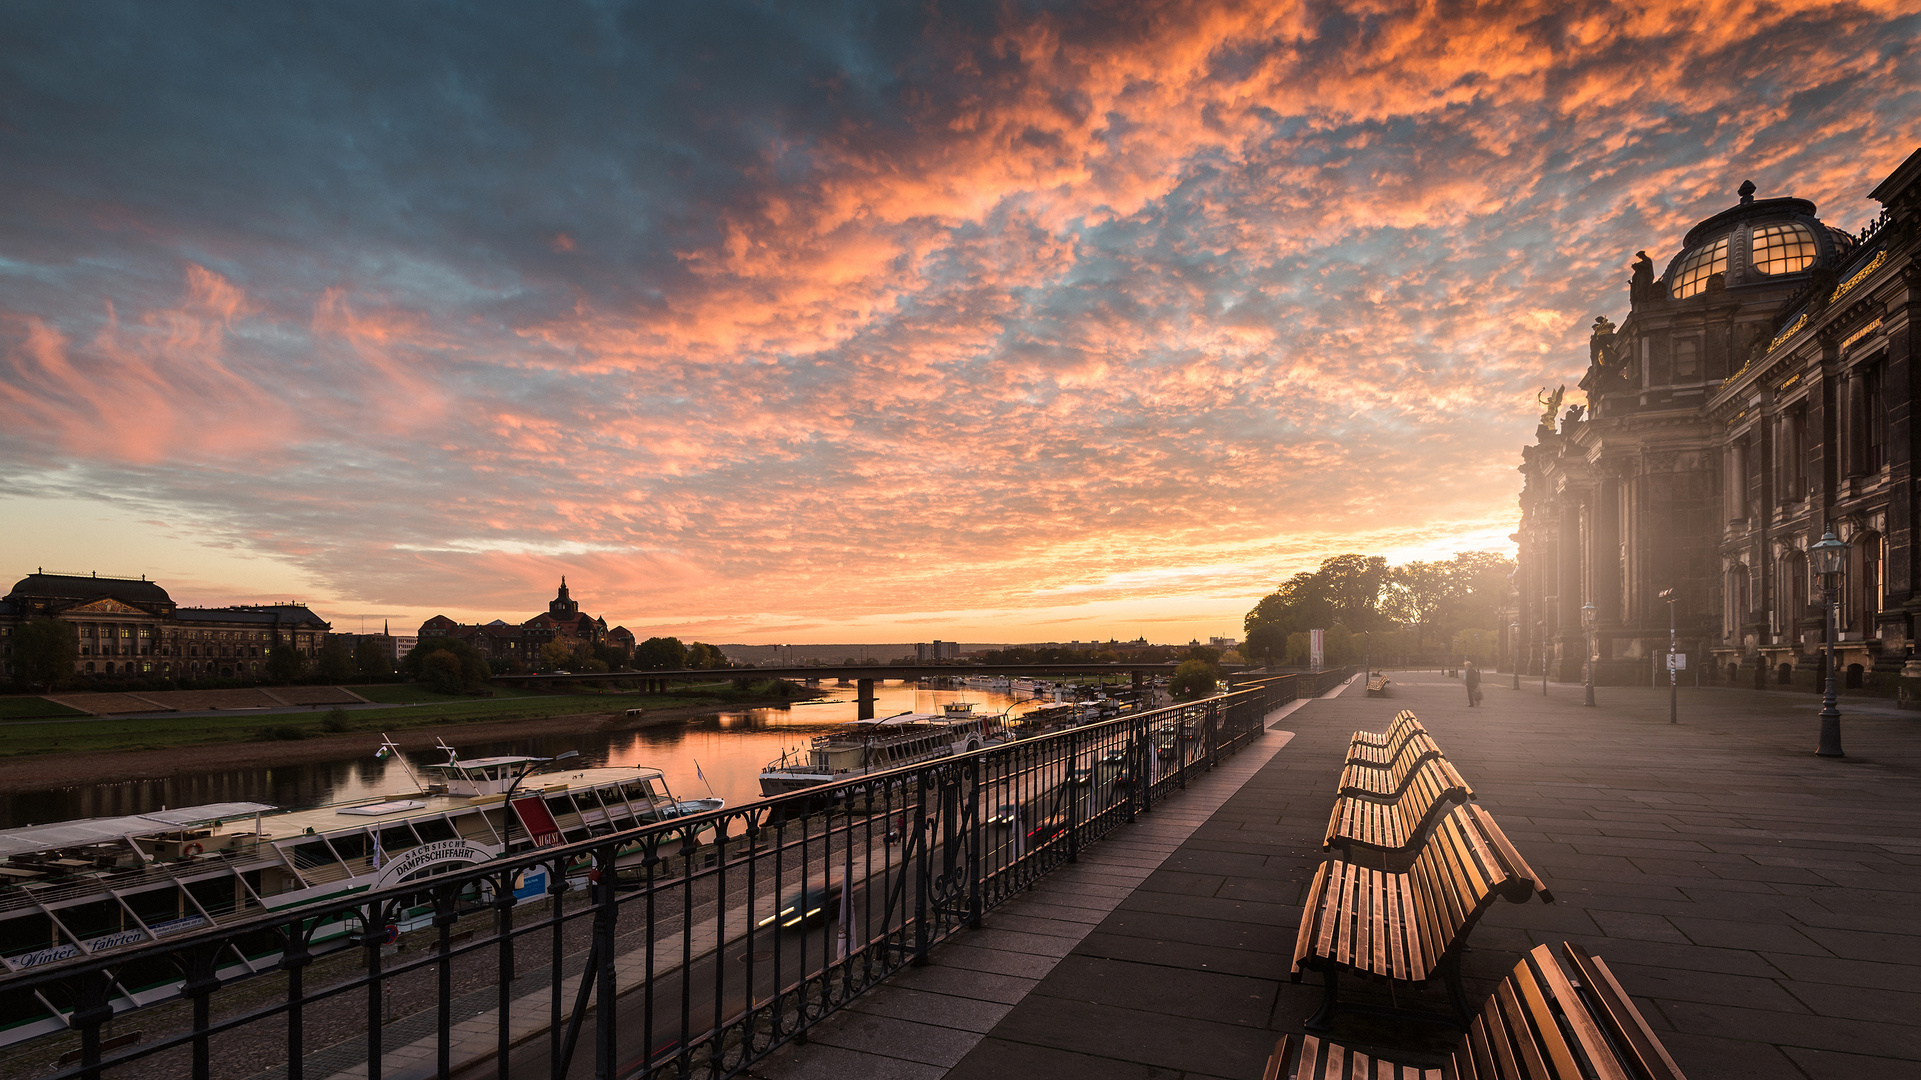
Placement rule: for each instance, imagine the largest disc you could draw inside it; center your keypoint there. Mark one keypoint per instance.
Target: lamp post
(1827, 557)
(1674, 693)
(1540, 631)
(1514, 650)
(1588, 612)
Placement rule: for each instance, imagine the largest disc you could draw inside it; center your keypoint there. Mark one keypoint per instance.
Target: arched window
(1782, 249)
(1791, 603)
(1702, 263)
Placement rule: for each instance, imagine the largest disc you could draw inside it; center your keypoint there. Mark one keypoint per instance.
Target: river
(722, 753)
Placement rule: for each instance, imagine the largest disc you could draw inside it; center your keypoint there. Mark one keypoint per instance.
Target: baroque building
(1759, 391)
(519, 644)
(127, 628)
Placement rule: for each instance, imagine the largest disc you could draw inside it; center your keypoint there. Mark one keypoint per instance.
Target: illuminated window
(1783, 249)
(1702, 262)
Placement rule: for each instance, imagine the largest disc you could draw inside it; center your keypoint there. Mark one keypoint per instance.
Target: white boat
(92, 885)
(888, 743)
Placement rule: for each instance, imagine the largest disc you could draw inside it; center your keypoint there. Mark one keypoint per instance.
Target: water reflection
(721, 753)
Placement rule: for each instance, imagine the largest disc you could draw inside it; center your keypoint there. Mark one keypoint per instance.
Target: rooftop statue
(1599, 341)
(1641, 286)
(1551, 404)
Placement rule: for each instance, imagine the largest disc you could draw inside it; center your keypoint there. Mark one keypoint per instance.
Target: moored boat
(876, 745)
(83, 887)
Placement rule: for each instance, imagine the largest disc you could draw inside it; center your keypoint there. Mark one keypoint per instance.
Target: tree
(660, 654)
(467, 670)
(335, 664)
(1193, 680)
(611, 657)
(44, 651)
(285, 663)
(371, 661)
(1425, 589)
(555, 656)
(702, 655)
(441, 671)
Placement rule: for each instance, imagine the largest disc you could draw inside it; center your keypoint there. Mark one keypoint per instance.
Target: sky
(803, 322)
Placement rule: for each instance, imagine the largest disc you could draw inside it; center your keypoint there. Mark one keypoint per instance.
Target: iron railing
(717, 938)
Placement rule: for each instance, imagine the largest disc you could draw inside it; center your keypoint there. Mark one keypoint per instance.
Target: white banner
(1317, 649)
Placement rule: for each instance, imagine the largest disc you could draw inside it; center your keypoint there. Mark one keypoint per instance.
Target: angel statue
(1550, 404)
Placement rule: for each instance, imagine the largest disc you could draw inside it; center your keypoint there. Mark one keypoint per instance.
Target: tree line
(1445, 608)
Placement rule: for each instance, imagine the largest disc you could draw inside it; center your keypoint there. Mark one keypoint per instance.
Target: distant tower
(562, 606)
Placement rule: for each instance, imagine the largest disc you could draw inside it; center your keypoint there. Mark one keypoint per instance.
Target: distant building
(1759, 392)
(1225, 644)
(131, 628)
(938, 650)
(519, 644)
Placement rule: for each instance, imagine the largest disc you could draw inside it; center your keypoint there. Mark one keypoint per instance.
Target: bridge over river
(864, 676)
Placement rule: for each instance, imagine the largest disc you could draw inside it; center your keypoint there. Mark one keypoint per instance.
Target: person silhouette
(1472, 677)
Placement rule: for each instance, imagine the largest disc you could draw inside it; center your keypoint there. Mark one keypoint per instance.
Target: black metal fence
(691, 948)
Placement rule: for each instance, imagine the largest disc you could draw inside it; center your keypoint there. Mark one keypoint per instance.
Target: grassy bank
(413, 707)
(31, 708)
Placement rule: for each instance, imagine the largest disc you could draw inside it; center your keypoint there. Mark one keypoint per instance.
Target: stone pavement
(1758, 902)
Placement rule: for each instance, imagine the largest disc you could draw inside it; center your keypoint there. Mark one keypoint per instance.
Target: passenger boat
(92, 885)
(876, 745)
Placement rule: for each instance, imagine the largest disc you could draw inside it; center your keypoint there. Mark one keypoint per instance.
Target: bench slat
(1623, 1018)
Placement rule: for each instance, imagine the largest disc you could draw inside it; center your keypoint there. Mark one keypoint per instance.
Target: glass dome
(1785, 248)
(1703, 262)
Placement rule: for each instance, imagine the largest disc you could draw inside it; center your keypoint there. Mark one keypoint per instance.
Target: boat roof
(905, 719)
(84, 831)
(486, 762)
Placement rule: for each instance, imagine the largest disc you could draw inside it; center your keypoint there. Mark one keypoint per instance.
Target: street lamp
(507, 802)
(1588, 612)
(1827, 557)
(1674, 692)
(1540, 631)
(1514, 650)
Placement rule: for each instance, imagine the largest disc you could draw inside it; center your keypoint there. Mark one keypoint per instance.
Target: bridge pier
(864, 699)
(1137, 689)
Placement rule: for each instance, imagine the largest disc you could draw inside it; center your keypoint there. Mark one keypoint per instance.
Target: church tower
(563, 606)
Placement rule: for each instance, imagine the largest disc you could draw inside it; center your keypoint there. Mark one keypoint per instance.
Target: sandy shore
(42, 771)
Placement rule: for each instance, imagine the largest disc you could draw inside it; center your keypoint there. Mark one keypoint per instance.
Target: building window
(1687, 360)
(1874, 404)
(1702, 263)
(1791, 460)
(1783, 249)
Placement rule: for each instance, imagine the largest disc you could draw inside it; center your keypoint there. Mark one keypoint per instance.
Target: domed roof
(1762, 243)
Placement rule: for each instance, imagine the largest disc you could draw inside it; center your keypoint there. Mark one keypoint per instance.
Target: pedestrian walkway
(1759, 903)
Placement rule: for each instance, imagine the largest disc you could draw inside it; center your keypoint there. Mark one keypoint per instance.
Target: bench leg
(1455, 995)
(1330, 1000)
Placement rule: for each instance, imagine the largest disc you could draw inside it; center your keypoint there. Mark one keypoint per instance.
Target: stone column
(864, 699)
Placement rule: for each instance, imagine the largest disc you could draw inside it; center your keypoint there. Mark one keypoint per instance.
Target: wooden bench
(1409, 927)
(1543, 1022)
(1404, 725)
(1377, 686)
(1400, 827)
(1382, 756)
(1387, 780)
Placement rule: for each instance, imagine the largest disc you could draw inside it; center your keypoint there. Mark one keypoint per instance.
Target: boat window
(397, 837)
(158, 905)
(95, 919)
(350, 845)
(433, 830)
(560, 804)
(24, 933)
(218, 895)
(311, 854)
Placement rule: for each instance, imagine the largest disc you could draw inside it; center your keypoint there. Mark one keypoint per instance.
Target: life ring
(192, 849)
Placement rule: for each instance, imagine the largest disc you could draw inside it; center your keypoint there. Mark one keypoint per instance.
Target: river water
(722, 753)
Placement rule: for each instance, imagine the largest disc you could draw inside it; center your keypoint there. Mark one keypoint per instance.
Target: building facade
(1759, 391)
(518, 645)
(129, 628)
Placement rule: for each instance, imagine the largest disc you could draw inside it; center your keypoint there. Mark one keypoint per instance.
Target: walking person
(1472, 677)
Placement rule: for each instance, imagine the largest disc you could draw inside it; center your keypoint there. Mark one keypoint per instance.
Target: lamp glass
(1588, 612)
(1827, 554)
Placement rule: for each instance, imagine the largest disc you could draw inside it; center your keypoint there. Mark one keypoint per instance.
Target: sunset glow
(998, 322)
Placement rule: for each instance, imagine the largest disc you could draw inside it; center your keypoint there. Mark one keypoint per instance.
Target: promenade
(1759, 903)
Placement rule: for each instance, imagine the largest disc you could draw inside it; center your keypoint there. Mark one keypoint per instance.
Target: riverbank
(244, 749)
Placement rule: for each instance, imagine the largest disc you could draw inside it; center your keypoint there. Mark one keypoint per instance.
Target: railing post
(922, 868)
(1145, 749)
(504, 927)
(971, 821)
(1210, 738)
(93, 1011)
(1073, 795)
(604, 915)
(294, 960)
(444, 918)
(373, 934)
